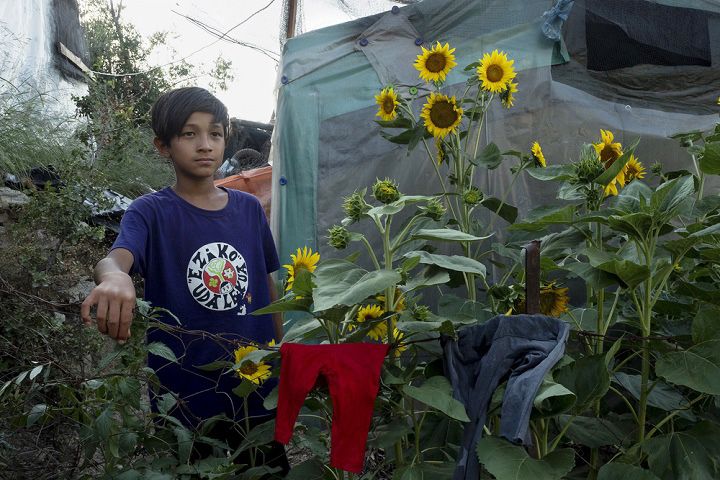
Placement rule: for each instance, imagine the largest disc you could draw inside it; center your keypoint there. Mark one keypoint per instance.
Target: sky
(251, 95)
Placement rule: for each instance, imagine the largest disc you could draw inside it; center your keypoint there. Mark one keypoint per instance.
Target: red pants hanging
(352, 372)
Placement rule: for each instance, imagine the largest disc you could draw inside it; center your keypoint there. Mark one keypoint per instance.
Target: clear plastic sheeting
(28, 61)
(326, 144)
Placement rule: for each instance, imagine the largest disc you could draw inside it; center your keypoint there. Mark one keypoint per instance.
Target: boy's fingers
(85, 308)
(113, 319)
(101, 315)
(125, 321)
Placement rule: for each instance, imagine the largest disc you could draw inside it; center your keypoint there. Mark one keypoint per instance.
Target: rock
(80, 290)
(10, 198)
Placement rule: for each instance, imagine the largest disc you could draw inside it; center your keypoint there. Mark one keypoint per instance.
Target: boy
(206, 254)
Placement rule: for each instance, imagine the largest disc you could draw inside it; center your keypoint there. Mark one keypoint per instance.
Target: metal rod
(532, 277)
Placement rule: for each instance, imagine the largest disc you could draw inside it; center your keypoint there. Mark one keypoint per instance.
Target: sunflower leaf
(344, 283)
(552, 173)
(489, 158)
(438, 393)
(471, 66)
(613, 170)
(419, 133)
(401, 138)
(446, 235)
(507, 212)
(399, 122)
(450, 262)
(506, 461)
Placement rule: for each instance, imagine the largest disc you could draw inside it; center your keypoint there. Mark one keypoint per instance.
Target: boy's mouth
(204, 160)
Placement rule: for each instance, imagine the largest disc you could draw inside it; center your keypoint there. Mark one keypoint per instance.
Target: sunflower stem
(370, 250)
(247, 429)
(437, 172)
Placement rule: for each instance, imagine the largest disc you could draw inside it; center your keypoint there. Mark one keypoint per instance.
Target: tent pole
(291, 18)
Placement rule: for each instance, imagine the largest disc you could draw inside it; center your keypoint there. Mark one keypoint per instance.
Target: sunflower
(388, 103)
(399, 301)
(441, 114)
(441, 153)
(304, 260)
(398, 336)
(538, 156)
(495, 71)
(506, 96)
(435, 64)
(255, 372)
(611, 188)
(553, 300)
(607, 151)
(371, 312)
(633, 169)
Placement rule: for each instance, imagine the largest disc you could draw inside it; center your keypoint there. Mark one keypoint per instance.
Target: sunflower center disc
(494, 73)
(443, 115)
(608, 156)
(435, 62)
(388, 105)
(249, 368)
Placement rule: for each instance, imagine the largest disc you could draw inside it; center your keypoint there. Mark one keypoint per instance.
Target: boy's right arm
(114, 295)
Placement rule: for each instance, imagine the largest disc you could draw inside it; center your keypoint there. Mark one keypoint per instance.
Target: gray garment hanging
(525, 347)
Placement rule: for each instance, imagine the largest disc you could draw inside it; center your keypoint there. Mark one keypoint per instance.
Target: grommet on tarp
(628, 107)
(283, 181)
(395, 9)
(284, 80)
(413, 91)
(363, 42)
(418, 41)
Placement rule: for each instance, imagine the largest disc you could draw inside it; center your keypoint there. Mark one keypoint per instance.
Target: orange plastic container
(257, 182)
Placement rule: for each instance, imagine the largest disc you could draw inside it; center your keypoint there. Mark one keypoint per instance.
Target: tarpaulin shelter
(637, 68)
(45, 55)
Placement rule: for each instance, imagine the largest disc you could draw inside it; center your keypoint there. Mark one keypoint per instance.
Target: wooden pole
(532, 277)
(291, 19)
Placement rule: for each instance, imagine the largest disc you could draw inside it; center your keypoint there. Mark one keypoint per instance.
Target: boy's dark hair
(174, 107)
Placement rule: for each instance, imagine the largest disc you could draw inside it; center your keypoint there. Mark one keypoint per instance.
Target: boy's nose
(205, 143)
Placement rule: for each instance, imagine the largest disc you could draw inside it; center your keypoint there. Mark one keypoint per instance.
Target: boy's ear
(162, 147)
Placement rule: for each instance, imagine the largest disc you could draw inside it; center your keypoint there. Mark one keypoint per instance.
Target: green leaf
(710, 161)
(553, 172)
(419, 133)
(219, 365)
(261, 434)
(162, 350)
(608, 175)
(591, 431)
(385, 435)
(706, 326)
(552, 399)
(489, 158)
(587, 377)
(408, 472)
(593, 276)
(36, 412)
(309, 469)
(623, 471)
(271, 400)
(629, 198)
(401, 139)
(662, 395)
(586, 317)
(680, 189)
(544, 216)
(446, 235)
(399, 122)
(185, 442)
(686, 455)
(304, 326)
(437, 393)
(245, 388)
(451, 262)
(166, 403)
(302, 283)
(292, 305)
(507, 212)
(510, 462)
(697, 367)
(351, 289)
(35, 372)
(103, 423)
(631, 274)
(430, 275)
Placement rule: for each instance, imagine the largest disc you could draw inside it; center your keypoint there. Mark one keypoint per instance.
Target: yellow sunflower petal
(435, 64)
(441, 114)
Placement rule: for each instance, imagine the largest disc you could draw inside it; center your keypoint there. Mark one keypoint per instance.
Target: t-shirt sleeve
(272, 262)
(133, 236)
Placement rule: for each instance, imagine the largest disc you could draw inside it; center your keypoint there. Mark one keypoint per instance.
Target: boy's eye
(188, 134)
(217, 134)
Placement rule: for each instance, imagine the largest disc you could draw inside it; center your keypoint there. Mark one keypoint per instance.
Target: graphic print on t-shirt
(217, 277)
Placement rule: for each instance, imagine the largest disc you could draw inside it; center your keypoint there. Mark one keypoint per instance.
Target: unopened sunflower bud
(434, 209)
(339, 237)
(421, 312)
(354, 206)
(656, 168)
(588, 169)
(386, 191)
(473, 196)
(592, 196)
(685, 142)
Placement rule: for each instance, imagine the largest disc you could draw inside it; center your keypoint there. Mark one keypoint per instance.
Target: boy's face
(197, 151)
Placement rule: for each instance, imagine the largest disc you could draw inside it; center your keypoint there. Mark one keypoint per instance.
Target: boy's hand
(114, 296)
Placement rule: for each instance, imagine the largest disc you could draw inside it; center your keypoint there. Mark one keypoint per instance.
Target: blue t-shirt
(209, 268)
